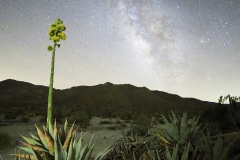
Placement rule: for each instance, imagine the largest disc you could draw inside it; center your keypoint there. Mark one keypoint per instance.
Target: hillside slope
(104, 99)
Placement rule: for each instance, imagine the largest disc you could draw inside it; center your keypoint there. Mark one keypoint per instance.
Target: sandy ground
(103, 137)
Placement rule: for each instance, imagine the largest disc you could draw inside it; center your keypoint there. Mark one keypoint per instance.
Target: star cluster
(187, 47)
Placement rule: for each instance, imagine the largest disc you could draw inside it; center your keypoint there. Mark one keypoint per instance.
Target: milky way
(188, 47)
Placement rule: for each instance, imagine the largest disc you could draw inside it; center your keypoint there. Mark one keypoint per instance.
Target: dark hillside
(101, 100)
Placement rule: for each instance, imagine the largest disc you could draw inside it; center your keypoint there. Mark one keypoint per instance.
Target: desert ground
(103, 137)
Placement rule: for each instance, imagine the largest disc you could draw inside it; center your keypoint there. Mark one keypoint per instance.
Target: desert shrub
(10, 115)
(61, 113)
(105, 122)
(24, 119)
(118, 122)
(125, 121)
(226, 116)
(6, 141)
(133, 129)
(1, 111)
(143, 123)
(105, 112)
(80, 118)
(58, 115)
(31, 114)
(123, 125)
(114, 127)
(43, 119)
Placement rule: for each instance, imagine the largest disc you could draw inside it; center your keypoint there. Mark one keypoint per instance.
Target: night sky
(185, 47)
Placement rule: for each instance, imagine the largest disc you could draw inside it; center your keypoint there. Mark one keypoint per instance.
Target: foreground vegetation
(5, 141)
(172, 138)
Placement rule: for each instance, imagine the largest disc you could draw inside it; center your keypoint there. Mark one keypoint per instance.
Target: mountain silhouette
(109, 99)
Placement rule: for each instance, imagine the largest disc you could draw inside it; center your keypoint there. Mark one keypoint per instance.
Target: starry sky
(185, 47)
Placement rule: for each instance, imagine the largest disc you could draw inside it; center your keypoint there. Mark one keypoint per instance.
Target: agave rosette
(178, 131)
(57, 144)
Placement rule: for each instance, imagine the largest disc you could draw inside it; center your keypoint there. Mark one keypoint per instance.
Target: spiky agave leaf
(55, 130)
(71, 152)
(68, 138)
(59, 152)
(78, 146)
(184, 124)
(217, 149)
(35, 147)
(42, 137)
(31, 141)
(50, 142)
(86, 148)
(174, 155)
(102, 154)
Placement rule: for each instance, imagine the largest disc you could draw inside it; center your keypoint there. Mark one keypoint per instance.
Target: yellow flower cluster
(56, 31)
(52, 31)
(62, 35)
(55, 39)
(61, 27)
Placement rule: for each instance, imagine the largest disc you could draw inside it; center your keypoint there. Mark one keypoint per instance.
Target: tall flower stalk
(55, 34)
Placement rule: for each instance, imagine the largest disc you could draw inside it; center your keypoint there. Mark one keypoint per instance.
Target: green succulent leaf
(78, 146)
(35, 137)
(167, 153)
(50, 130)
(175, 153)
(71, 153)
(218, 148)
(102, 154)
(60, 153)
(185, 152)
(184, 124)
(31, 141)
(27, 149)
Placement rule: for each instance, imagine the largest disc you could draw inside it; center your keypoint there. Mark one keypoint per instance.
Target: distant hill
(104, 99)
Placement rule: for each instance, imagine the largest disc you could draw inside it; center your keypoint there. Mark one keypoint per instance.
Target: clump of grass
(127, 121)
(24, 119)
(114, 127)
(105, 122)
(6, 141)
(118, 122)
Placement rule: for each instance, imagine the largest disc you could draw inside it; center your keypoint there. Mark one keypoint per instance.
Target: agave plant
(178, 131)
(218, 147)
(51, 143)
